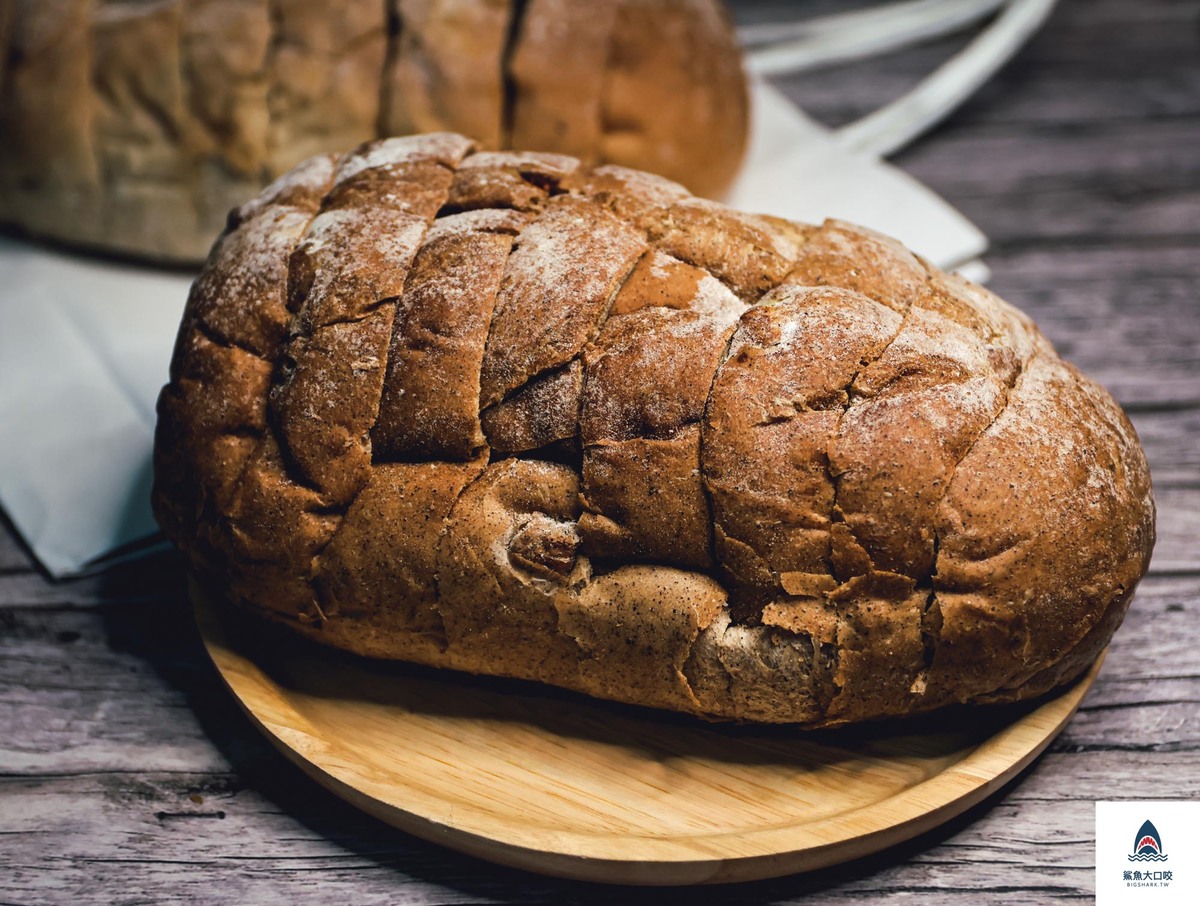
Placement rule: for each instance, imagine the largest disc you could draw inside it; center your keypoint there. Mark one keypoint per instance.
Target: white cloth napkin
(796, 168)
(84, 344)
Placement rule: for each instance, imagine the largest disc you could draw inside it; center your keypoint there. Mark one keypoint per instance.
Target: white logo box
(1166, 869)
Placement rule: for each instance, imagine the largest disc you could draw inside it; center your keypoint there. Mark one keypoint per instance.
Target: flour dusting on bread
(525, 417)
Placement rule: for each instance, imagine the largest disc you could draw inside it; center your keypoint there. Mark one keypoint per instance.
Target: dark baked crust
(135, 126)
(605, 435)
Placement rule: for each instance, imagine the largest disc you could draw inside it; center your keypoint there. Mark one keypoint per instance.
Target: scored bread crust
(136, 126)
(514, 415)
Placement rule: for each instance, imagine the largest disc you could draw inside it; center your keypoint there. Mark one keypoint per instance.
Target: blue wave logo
(1147, 845)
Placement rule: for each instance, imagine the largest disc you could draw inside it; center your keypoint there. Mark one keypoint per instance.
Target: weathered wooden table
(127, 774)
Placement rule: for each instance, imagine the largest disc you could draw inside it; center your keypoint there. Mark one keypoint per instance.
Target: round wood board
(557, 783)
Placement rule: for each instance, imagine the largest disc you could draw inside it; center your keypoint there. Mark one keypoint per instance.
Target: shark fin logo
(1147, 845)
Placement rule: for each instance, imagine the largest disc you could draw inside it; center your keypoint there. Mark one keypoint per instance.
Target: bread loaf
(135, 126)
(511, 414)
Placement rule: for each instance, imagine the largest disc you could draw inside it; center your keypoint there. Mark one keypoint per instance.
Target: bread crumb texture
(517, 415)
(134, 126)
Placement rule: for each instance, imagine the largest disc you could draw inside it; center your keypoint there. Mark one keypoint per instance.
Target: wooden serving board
(557, 783)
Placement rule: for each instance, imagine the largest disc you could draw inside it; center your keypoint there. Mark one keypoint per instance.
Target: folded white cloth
(84, 344)
(796, 169)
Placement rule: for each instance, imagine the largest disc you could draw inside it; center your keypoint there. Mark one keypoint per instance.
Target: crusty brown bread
(514, 415)
(135, 126)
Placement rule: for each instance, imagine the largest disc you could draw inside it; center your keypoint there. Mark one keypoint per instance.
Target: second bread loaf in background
(134, 127)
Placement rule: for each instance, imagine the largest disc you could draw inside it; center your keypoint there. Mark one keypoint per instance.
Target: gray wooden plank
(1157, 641)
(1055, 213)
(1129, 316)
(1120, 61)
(1062, 79)
(1087, 129)
(1176, 550)
(128, 838)
(1171, 438)
(110, 688)
(1112, 14)
(1134, 154)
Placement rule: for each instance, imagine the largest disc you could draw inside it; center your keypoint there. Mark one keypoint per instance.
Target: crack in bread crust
(210, 535)
(931, 618)
(476, 547)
